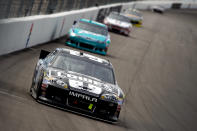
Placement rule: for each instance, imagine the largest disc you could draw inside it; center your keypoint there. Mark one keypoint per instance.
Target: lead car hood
(82, 82)
(89, 35)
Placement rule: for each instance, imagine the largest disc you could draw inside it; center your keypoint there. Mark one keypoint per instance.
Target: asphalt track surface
(156, 67)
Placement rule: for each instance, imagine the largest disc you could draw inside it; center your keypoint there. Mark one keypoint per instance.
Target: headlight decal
(61, 83)
(72, 34)
(112, 97)
(45, 81)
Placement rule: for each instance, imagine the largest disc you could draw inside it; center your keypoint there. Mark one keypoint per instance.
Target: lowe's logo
(85, 97)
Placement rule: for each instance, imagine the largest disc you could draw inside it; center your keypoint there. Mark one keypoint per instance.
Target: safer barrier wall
(20, 33)
(24, 32)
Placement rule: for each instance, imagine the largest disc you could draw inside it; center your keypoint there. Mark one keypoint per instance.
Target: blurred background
(21, 8)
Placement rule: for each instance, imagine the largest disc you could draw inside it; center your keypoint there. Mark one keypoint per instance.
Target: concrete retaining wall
(24, 32)
(20, 33)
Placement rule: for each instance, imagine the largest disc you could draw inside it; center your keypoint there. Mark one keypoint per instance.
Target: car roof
(93, 22)
(85, 56)
(119, 14)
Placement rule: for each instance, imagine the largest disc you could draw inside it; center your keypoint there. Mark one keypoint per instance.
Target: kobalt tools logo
(75, 94)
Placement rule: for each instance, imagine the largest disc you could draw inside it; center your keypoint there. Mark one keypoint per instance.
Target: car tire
(33, 81)
(66, 38)
(106, 49)
(126, 33)
(35, 93)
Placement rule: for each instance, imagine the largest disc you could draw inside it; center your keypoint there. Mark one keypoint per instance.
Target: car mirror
(74, 22)
(43, 54)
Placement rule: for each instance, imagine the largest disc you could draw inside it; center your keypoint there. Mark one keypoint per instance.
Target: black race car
(74, 80)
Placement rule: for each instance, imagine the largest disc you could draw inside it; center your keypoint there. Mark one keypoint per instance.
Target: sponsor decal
(45, 81)
(84, 97)
(85, 86)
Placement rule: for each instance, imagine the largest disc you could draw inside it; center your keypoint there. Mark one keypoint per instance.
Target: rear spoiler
(43, 54)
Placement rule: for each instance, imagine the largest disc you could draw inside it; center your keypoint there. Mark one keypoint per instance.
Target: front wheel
(126, 33)
(106, 49)
(33, 92)
(35, 87)
(66, 38)
(115, 117)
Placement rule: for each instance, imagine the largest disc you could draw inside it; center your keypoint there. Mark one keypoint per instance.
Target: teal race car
(89, 35)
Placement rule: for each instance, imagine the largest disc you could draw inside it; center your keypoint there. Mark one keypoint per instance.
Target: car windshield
(89, 68)
(92, 28)
(119, 17)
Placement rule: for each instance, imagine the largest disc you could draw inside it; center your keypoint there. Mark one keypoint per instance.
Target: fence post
(31, 6)
(51, 6)
(40, 6)
(20, 8)
(8, 9)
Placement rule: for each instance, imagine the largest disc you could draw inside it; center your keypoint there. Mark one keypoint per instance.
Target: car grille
(84, 45)
(62, 98)
(81, 104)
(84, 92)
(105, 108)
(56, 94)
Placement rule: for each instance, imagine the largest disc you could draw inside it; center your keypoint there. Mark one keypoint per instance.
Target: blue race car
(89, 35)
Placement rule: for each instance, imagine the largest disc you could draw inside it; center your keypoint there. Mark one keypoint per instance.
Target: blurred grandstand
(21, 8)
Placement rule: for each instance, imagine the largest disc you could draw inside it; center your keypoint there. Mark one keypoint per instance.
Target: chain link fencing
(22, 8)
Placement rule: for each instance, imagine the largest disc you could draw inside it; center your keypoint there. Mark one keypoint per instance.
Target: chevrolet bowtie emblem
(85, 87)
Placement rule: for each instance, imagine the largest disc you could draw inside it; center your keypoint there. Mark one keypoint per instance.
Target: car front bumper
(60, 97)
(87, 45)
(118, 28)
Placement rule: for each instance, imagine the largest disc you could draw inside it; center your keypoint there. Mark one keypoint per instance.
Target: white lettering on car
(85, 97)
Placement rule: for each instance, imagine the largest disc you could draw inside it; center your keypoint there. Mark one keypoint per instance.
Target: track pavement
(156, 67)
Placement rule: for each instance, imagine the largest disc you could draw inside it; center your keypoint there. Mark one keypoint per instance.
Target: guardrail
(19, 33)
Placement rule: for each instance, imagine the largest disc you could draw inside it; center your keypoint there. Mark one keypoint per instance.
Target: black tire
(37, 91)
(33, 82)
(125, 34)
(106, 49)
(66, 38)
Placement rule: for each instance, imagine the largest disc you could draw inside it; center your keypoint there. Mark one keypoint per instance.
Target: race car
(90, 36)
(134, 15)
(118, 22)
(158, 9)
(78, 82)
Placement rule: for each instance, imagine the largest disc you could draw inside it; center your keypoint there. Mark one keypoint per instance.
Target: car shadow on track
(117, 32)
